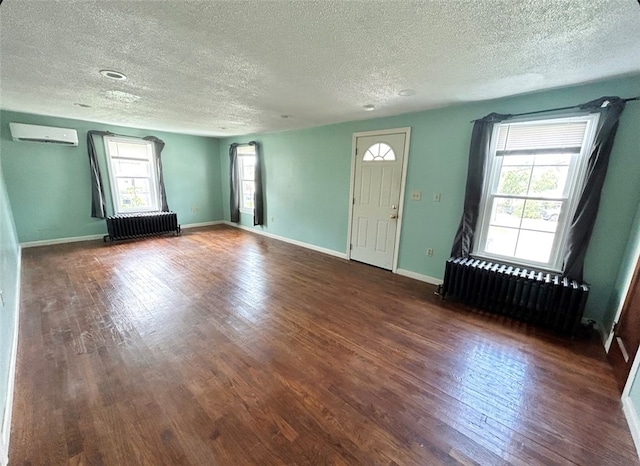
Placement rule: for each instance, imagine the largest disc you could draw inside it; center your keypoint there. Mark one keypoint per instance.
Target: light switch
(436, 197)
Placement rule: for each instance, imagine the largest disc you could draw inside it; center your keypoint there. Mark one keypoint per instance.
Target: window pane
(548, 181)
(131, 168)
(248, 189)
(248, 167)
(134, 193)
(501, 240)
(507, 212)
(534, 246)
(535, 212)
(550, 214)
(247, 202)
(514, 180)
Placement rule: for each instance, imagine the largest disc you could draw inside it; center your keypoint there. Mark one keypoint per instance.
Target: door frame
(633, 418)
(627, 406)
(407, 132)
(635, 364)
(626, 289)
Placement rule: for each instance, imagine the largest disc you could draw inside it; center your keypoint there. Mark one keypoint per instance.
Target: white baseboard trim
(607, 341)
(75, 239)
(202, 224)
(71, 239)
(5, 430)
(331, 252)
(313, 247)
(419, 276)
(632, 419)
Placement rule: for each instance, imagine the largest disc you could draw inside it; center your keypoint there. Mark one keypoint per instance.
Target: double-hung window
(132, 174)
(247, 169)
(534, 174)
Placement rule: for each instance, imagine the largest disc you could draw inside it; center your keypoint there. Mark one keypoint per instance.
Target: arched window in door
(379, 152)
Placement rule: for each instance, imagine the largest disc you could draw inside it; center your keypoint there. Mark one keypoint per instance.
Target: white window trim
(245, 210)
(115, 195)
(577, 172)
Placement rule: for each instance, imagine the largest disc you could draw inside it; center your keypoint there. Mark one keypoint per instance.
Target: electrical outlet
(416, 195)
(195, 209)
(2, 298)
(436, 197)
(430, 252)
(273, 219)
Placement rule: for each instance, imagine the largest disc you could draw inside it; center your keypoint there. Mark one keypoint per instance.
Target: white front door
(376, 198)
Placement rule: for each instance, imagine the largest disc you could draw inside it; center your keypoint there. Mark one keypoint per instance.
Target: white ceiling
(200, 66)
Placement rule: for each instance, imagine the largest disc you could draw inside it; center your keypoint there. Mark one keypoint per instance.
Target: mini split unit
(45, 134)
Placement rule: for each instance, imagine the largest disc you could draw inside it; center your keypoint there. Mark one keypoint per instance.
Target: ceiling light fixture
(369, 107)
(116, 75)
(406, 92)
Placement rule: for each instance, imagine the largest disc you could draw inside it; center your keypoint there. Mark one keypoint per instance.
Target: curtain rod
(250, 143)
(99, 132)
(556, 109)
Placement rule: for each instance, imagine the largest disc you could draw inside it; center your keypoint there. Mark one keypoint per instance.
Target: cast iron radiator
(532, 296)
(141, 224)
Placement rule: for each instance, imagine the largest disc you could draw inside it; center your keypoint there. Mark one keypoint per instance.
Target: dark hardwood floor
(224, 347)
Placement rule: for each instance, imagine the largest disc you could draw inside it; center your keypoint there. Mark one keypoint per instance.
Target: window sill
(522, 265)
(246, 211)
(129, 212)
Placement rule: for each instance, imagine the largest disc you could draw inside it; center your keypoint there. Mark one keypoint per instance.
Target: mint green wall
(49, 185)
(307, 175)
(9, 270)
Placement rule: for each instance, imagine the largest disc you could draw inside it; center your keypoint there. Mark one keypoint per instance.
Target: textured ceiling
(235, 67)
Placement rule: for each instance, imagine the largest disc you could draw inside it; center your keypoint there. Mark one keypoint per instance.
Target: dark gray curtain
(480, 140)
(234, 183)
(159, 145)
(258, 201)
(585, 216)
(98, 204)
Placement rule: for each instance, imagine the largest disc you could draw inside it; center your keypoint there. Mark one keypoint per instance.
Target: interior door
(626, 337)
(376, 198)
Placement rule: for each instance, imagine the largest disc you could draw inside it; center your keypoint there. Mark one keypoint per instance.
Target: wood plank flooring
(221, 347)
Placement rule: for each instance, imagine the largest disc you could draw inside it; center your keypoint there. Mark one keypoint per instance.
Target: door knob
(393, 216)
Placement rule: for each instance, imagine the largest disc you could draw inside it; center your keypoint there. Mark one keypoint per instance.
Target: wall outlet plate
(416, 195)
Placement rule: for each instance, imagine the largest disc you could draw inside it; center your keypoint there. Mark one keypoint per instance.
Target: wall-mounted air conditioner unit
(46, 134)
